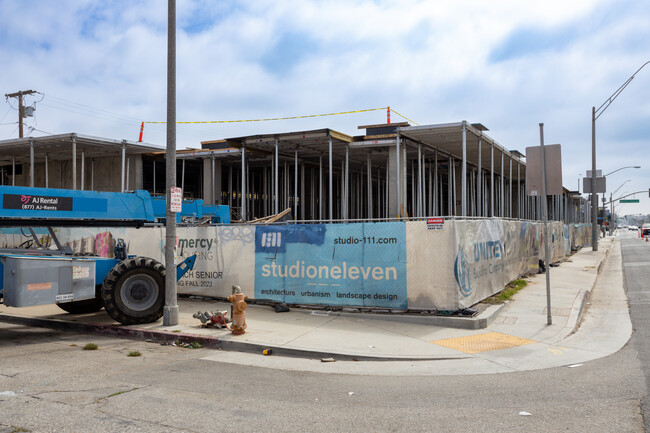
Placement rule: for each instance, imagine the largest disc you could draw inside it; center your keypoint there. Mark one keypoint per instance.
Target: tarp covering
(445, 266)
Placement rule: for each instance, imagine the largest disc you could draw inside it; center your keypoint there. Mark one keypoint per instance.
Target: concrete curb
(480, 321)
(159, 336)
(585, 294)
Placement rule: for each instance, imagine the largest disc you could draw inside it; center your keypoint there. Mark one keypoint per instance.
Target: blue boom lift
(131, 289)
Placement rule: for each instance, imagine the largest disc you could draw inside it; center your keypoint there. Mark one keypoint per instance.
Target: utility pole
(20, 95)
(170, 311)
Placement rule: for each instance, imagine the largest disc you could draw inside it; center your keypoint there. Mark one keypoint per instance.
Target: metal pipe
(463, 173)
(265, 191)
(331, 190)
(302, 191)
(47, 174)
(419, 180)
(369, 179)
(450, 196)
(346, 187)
(431, 188)
(502, 200)
(510, 180)
(243, 183)
(74, 160)
(276, 201)
(341, 201)
(83, 169)
(295, 184)
(386, 188)
(436, 189)
(413, 187)
(123, 166)
(230, 187)
(519, 204)
(183, 179)
(479, 177)
(492, 180)
(399, 195)
(549, 320)
(213, 194)
(31, 162)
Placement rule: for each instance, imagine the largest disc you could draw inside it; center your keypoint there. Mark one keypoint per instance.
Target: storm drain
(483, 342)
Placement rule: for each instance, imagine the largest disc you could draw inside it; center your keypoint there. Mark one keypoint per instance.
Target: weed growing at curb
(91, 346)
(134, 353)
(18, 429)
(507, 293)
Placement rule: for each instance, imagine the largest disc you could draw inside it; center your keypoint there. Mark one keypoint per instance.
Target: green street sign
(634, 200)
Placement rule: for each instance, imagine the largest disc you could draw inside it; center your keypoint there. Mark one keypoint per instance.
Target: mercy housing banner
(361, 264)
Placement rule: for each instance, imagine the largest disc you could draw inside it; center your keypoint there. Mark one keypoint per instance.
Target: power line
(3, 117)
(99, 113)
(87, 107)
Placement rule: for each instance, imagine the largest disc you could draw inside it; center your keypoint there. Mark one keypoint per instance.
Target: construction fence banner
(382, 264)
(361, 264)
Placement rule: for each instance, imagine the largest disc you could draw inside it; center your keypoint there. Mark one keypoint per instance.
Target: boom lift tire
(85, 306)
(134, 291)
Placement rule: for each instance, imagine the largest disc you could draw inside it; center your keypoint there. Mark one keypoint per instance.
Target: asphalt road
(636, 271)
(49, 384)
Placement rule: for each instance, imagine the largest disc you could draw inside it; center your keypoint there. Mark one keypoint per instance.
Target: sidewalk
(517, 336)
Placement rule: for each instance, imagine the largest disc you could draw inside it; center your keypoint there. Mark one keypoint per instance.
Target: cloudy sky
(100, 68)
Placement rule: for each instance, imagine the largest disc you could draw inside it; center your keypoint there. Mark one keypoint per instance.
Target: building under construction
(390, 171)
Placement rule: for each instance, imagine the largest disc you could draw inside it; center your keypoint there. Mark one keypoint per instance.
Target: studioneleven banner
(333, 264)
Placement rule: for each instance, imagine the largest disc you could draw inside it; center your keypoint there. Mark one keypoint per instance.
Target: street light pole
(595, 114)
(579, 176)
(622, 168)
(594, 195)
(610, 196)
(611, 202)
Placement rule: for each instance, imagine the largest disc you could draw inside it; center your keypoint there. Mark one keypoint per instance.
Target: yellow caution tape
(286, 118)
(404, 117)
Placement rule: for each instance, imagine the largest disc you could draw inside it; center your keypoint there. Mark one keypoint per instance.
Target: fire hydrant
(238, 325)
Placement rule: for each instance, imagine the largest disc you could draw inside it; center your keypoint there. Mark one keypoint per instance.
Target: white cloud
(507, 64)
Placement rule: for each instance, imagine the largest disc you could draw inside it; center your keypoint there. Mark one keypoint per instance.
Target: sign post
(538, 161)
